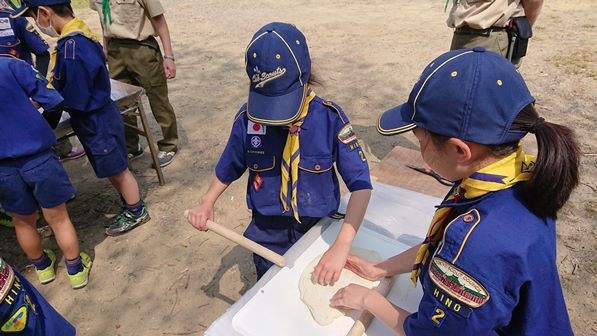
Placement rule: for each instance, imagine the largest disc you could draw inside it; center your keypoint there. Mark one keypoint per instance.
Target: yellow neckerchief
(499, 175)
(290, 160)
(75, 26)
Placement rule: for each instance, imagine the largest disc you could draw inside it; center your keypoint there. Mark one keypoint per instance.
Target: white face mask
(49, 30)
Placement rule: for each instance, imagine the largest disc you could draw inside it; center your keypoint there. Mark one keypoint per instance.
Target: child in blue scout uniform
(31, 175)
(18, 38)
(290, 140)
(488, 263)
(78, 71)
(24, 311)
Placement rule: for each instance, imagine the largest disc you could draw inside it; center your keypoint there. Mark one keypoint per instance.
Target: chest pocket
(129, 11)
(317, 186)
(261, 163)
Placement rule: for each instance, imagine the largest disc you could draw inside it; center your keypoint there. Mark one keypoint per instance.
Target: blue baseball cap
(469, 94)
(278, 65)
(23, 5)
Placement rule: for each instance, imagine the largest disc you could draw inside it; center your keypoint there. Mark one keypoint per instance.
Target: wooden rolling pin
(365, 317)
(244, 242)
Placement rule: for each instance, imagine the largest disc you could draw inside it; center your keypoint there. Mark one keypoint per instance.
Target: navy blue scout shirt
(494, 273)
(19, 39)
(326, 138)
(81, 76)
(23, 130)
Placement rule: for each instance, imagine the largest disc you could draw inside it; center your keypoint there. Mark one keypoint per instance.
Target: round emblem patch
(255, 141)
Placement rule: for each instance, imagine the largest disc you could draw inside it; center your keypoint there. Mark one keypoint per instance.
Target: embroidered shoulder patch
(457, 283)
(346, 134)
(6, 279)
(17, 322)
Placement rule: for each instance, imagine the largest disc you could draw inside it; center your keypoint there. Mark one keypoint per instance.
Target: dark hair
(62, 10)
(556, 171)
(314, 79)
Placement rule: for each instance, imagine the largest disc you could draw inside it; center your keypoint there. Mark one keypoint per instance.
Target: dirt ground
(165, 278)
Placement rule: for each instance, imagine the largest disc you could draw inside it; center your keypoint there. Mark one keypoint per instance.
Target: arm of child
(362, 298)
(204, 210)
(332, 262)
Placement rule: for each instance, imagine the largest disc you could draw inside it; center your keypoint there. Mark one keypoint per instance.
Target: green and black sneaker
(127, 221)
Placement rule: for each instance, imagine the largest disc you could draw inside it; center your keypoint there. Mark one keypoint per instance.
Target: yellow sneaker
(47, 274)
(80, 279)
(6, 220)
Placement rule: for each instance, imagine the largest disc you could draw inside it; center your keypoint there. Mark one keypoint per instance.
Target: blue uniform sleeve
(27, 34)
(37, 86)
(350, 159)
(466, 285)
(232, 165)
(75, 73)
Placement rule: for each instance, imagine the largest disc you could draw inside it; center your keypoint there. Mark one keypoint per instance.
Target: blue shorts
(25, 311)
(102, 135)
(277, 233)
(35, 181)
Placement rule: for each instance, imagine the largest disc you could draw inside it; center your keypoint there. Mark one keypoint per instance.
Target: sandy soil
(165, 278)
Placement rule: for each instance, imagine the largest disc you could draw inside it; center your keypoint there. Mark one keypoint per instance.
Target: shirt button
(317, 167)
(468, 218)
(105, 150)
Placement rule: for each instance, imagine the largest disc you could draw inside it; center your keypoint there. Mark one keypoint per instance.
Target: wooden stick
(365, 317)
(244, 242)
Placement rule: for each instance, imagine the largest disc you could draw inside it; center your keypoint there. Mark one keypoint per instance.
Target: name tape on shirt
(255, 128)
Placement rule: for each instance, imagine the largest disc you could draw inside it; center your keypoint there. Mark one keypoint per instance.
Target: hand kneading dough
(317, 297)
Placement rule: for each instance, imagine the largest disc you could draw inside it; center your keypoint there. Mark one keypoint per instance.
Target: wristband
(170, 57)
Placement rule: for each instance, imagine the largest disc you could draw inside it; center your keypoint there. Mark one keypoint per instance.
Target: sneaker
(136, 154)
(165, 158)
(114, 220)
(6, 220)
(127, 221)
(80, 279)
(75, 153)
(47, 274)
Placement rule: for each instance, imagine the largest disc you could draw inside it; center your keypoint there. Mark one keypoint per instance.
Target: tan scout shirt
(482, 14)
(130, 18)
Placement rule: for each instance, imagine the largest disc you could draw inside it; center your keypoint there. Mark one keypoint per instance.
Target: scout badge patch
(457, 283)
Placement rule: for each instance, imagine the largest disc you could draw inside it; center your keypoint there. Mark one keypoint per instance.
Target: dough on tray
(317, 297)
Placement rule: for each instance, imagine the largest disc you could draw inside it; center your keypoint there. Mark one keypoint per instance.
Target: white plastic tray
(278, 310)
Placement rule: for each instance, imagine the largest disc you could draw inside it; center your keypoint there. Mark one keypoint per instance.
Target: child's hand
(352, 296)
(328, 270)
(364, 268)
(199, 215)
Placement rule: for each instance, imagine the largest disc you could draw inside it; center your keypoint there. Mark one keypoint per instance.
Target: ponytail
(556, 171)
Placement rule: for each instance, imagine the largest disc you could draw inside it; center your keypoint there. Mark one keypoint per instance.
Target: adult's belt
(149, 42)
(465, 30)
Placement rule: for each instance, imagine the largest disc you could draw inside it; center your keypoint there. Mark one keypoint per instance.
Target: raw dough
(317, 297)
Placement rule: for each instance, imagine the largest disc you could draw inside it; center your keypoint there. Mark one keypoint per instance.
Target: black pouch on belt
(519, 33)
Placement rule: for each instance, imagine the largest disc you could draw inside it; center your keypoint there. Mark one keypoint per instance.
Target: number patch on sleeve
(438, 317)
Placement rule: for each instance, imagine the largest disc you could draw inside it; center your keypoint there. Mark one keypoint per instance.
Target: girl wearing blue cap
(488, 263)
(78, 71)
(291, 141)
